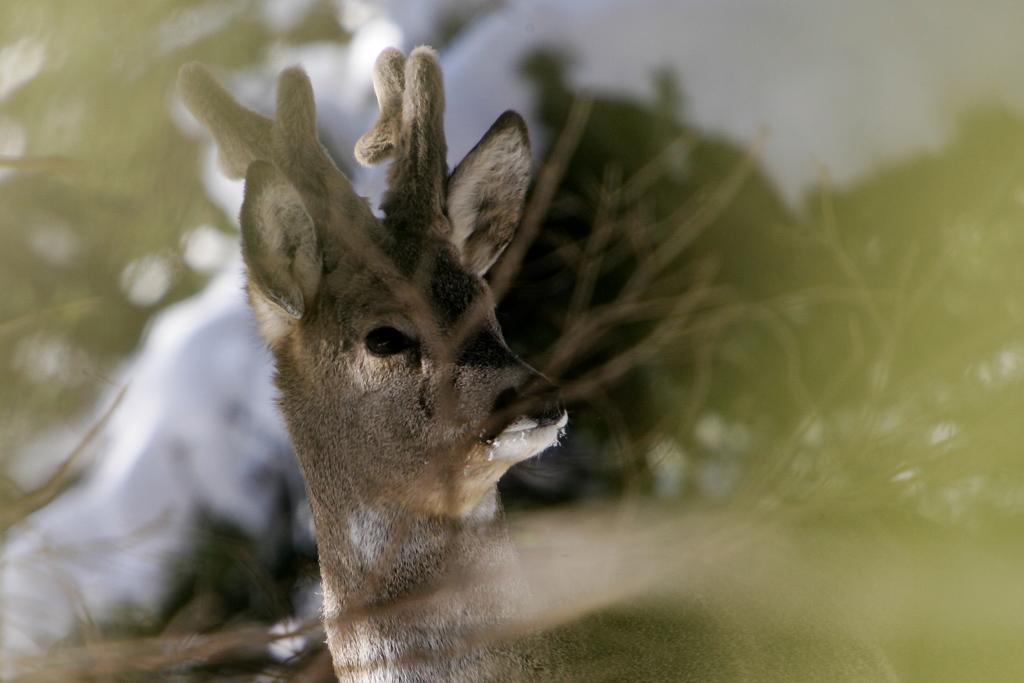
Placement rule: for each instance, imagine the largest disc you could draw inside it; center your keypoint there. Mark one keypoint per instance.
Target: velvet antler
(410, 129)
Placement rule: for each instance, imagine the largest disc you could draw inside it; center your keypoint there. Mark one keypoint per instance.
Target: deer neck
(409, 591)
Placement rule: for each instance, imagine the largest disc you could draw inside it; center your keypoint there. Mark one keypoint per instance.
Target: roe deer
(402, 399)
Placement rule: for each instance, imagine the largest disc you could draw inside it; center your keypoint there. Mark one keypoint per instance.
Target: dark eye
(387, 341)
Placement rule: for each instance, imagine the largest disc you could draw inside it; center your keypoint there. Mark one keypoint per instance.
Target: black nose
(538, 399)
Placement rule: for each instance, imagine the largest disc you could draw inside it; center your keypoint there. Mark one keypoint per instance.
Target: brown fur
(397, 450)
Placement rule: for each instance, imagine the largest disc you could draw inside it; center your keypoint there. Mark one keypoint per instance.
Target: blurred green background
(93, 231)
(852, 367)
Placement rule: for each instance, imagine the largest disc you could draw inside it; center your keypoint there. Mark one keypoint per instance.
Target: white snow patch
(146, 279)
(20, 62)
(196, 433)
(54, 242)
(206, 249)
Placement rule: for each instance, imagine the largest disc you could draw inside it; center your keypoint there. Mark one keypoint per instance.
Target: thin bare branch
(45, 493)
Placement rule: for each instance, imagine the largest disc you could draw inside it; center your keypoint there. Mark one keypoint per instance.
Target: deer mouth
(526, 437)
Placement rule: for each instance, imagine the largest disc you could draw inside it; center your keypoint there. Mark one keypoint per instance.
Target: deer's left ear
(487, 190)
(281, 250)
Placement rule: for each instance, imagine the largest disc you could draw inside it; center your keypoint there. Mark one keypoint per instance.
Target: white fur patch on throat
(367, 532)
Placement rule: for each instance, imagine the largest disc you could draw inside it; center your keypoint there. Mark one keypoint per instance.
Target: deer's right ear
(281, 250)
(486, 192)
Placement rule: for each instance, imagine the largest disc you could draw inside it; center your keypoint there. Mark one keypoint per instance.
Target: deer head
(396, 383)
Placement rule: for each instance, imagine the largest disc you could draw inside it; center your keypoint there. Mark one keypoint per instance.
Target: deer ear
(486, 192)
(281, 250)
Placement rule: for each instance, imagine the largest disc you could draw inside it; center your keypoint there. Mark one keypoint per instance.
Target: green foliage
(113, 181)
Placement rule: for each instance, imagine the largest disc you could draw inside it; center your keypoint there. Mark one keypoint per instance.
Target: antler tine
(389, 85)
(242, 136)
(297, 148)
(299, 154)
(416, 179)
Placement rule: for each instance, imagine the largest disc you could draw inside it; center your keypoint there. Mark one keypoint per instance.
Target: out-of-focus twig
(58, 481)
(49, 164)
(548, 181)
